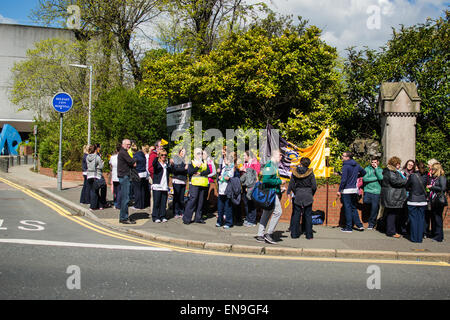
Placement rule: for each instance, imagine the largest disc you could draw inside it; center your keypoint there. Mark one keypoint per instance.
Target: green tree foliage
(418, 54)
(121, 113)
(251, 78)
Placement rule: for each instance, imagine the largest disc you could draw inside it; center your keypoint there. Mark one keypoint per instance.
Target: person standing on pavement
(271, 180)
(437, 187)
(303, 184)
(249, 176)
(393, 195)
(114, 177)
(224, 206)
(124, 165)
(141, 192)
(372, 189)
(416, 202)
(85, 191)
(95, 179)
(198, 172)
(348, 191)
(160, 187)
(429, 219)
(179, 178)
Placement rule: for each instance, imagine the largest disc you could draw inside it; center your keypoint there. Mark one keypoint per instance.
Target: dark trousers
(159, 204)
(372, 200)
(437, 223)
(195, 202)
(392, 215)
(351, 214)
(93, 195)
(97, 195)
(141, 194)
(416, 223)
(205, 207)
(124, 197)
(178, 199)
(85, 191)
(250, 209)
(116, 194)
(307, 221)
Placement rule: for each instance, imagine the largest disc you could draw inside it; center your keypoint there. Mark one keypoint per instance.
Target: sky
(344, 23)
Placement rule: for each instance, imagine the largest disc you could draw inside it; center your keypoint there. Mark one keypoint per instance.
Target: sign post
(35, 147)
(62, 102)
(178, 117)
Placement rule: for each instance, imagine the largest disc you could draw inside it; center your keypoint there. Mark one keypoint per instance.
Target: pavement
(328, 241)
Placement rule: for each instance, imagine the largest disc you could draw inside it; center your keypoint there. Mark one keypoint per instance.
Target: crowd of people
(411, 199)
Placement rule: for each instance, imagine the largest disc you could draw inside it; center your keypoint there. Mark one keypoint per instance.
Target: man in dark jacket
(124, 165)
(348, 191)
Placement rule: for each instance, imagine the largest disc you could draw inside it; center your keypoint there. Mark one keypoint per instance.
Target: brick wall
(70, 175)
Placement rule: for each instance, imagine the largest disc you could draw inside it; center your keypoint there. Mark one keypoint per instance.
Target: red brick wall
(70, 175)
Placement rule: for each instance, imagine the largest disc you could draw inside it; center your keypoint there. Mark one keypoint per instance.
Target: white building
(15, 40)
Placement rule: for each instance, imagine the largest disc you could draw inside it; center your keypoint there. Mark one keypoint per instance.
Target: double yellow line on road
(87, 224)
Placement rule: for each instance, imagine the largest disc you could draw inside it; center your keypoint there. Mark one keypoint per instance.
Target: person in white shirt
(114, 177)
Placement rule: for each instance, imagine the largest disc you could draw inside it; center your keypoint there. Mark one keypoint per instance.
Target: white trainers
(157, 221)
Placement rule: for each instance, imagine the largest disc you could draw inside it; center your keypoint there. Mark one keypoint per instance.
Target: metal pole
(90, 105)
(59, 179)
(35, 148)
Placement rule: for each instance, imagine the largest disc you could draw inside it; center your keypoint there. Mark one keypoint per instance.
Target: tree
(416, 54)
(120, 18)
(251, 78)
(121, 113)
(200, 25)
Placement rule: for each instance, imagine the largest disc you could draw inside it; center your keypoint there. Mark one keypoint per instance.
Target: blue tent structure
(9, 140)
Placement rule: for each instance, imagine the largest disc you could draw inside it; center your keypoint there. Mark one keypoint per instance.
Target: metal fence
(10, 161)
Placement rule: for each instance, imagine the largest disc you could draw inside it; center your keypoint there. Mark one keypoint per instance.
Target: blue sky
(344, 23)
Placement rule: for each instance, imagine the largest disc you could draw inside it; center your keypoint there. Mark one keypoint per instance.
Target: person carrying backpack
(271, 180)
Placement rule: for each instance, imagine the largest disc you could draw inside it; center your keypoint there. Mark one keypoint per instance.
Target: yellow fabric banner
(316, 153)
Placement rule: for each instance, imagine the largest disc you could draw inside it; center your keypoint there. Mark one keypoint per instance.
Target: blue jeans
(224, 207)
(159, 205)
(351, 214)
(416, 222)
(124, 197)
(373, 200)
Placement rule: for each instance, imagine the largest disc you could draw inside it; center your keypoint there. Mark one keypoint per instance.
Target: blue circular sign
(62, 102)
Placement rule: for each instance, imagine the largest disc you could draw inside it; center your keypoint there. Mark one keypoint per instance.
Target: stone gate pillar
(398, 106)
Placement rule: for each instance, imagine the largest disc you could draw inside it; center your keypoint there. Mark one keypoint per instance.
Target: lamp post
(90, 96)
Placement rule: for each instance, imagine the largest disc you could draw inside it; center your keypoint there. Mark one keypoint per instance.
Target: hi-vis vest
(200, 181)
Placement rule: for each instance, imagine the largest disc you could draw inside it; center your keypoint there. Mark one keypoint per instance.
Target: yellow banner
(316, 153)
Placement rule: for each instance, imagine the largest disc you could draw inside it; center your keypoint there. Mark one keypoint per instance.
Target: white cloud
(344, 22)
(6, 20)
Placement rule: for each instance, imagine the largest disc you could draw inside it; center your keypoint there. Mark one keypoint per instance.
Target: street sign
(178, 117)
(62, 102)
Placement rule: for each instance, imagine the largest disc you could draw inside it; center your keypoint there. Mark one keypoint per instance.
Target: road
(47, 254)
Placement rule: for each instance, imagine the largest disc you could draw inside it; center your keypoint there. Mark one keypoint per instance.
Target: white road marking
(80, 245)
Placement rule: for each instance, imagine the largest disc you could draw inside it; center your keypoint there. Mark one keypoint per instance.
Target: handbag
(263, 198)
(440, 200)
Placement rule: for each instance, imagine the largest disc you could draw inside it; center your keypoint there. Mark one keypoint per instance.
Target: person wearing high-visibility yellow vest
(198, 172)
